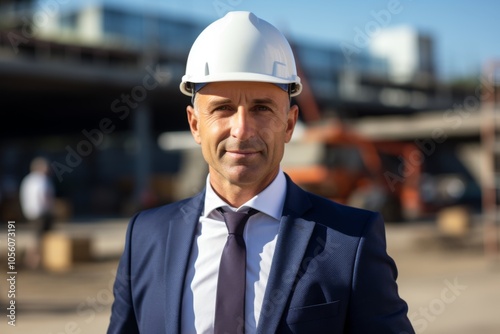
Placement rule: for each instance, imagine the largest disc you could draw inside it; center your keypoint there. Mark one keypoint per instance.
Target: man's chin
(241, 174)
(249, 176)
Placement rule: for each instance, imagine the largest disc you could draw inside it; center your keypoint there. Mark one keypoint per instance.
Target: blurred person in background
(37, 203)
(312, 265)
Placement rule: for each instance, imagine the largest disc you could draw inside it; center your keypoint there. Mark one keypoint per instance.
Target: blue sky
(466, 33)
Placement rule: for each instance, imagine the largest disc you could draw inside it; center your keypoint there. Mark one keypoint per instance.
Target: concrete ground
(451, 287)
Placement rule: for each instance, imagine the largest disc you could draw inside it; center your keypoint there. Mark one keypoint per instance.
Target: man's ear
(193, 123)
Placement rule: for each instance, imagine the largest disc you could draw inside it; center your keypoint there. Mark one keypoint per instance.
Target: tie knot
(235, 221)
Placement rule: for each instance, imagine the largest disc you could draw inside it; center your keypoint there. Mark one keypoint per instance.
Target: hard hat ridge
(241, 47)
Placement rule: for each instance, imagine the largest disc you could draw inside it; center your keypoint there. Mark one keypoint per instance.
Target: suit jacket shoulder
(150, 277)
(332, 268)
(323, 211)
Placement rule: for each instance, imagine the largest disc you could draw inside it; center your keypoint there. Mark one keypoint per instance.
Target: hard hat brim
(187, 89)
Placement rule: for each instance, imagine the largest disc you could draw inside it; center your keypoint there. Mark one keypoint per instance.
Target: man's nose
(242, 124)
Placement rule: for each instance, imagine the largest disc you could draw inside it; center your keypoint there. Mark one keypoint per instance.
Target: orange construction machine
(332, 160)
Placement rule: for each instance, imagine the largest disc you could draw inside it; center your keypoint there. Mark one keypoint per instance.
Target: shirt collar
(269, 201)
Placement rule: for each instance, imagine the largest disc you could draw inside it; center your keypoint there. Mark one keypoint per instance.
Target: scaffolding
(490, 139)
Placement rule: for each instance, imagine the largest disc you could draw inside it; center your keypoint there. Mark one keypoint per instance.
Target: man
(312, 265)
(37, 203)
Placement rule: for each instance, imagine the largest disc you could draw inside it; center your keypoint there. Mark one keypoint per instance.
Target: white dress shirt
(260, 234)
(36, 195)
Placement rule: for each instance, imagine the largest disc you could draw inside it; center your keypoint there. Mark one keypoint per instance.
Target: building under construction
(95, 89)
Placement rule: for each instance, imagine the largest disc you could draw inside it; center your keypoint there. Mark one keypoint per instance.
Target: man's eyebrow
(219, 101)
(266, 101)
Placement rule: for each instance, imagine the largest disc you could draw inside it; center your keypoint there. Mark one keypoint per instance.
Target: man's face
(242, 128)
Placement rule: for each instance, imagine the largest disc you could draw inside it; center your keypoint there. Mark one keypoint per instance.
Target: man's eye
(222, 108)
(261, 108)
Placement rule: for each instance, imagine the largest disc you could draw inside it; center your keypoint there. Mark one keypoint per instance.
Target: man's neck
(238, 194)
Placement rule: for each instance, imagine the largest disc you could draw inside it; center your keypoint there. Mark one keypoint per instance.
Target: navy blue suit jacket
(330, 272)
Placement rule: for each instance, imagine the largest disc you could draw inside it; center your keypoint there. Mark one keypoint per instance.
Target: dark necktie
(230, 301)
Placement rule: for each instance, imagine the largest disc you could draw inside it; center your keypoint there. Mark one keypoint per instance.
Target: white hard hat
(241, 47)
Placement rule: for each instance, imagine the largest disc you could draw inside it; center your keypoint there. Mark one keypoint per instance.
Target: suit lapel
(292, 242)
(178, 250)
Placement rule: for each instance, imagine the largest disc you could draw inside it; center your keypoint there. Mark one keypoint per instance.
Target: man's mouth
(240, 154)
